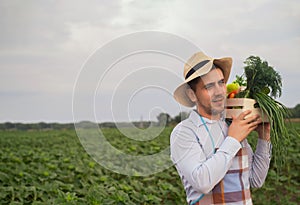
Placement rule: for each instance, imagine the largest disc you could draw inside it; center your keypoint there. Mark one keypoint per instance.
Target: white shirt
(200, 169)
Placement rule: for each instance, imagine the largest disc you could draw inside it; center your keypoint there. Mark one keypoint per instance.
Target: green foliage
(262, 79)
(163, 119)
(276, 113)
(180, 117)
(240, 80)
(295, 112)
(260, 75)
(282, 183)
(51, 167)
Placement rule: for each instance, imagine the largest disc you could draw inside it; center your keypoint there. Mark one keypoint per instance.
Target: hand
(263, 131)
(241, 127)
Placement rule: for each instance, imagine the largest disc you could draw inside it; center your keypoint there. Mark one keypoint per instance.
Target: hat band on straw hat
(195, 68)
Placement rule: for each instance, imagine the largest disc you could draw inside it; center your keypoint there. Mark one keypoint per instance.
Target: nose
(220, 89)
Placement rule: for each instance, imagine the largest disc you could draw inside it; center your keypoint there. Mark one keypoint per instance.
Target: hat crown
(193, 61)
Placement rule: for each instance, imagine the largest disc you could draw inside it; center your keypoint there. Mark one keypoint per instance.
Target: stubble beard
(210, 109)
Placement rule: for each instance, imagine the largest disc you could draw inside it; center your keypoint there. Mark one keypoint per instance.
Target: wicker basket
(235, 106)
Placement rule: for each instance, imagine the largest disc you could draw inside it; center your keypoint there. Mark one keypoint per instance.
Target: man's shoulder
(190, 122)
(185, 126)
(184, 123)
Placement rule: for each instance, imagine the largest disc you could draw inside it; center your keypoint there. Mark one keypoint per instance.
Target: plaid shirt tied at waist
(229, 189)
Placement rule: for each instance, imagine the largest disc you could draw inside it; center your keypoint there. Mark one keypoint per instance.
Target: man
(214, 160)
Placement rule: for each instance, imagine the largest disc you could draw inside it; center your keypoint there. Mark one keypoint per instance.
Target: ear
(191, 94)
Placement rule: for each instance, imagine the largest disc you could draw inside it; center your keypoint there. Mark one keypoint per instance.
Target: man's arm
(201, 171)
(260, 161)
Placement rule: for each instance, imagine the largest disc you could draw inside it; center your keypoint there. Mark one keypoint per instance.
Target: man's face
(211, 94)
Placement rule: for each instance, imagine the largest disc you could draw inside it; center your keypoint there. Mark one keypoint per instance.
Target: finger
(244, 114)
(253, 127)
(259, 121)
(252, 118)
(254, 124)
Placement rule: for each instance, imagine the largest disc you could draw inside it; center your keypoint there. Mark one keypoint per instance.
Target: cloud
(43, 45)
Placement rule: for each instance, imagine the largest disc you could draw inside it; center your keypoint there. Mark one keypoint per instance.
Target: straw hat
(198, 65)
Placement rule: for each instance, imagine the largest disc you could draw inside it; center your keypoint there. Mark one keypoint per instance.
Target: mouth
(219, 100)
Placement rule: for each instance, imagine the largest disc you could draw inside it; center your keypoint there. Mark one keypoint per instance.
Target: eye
(208, 86)
(221, 82)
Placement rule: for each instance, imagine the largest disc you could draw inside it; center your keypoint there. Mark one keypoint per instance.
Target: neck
(209, 116)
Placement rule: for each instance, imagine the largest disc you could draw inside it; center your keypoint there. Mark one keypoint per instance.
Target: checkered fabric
(234, 187)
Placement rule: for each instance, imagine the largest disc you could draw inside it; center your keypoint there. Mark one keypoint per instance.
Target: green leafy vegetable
(276, 113)
(259, 76)
(262, 80)
(240, 80)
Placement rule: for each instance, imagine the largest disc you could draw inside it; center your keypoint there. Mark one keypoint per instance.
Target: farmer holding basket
(214, 160)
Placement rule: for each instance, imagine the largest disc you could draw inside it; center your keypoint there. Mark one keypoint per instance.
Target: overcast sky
(44, 45)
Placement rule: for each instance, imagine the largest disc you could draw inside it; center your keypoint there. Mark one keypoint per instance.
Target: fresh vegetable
(232, 87)
(265, 90)
(232, 94)
(240, 80)
(259, 75)
(263, 84)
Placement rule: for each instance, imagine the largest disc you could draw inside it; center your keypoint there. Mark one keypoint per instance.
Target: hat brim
(180, 93)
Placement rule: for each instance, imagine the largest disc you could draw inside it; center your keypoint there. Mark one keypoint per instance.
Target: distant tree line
(295, 112)
(163, 119)
(43, 126)
(35, 126)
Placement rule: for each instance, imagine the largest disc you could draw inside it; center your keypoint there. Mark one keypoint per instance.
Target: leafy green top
(260, 78)
(262, 83)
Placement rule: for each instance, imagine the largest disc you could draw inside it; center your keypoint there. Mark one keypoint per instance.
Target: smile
(218, 100)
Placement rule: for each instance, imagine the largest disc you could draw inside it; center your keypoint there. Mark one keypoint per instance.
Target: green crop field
(51, 167)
